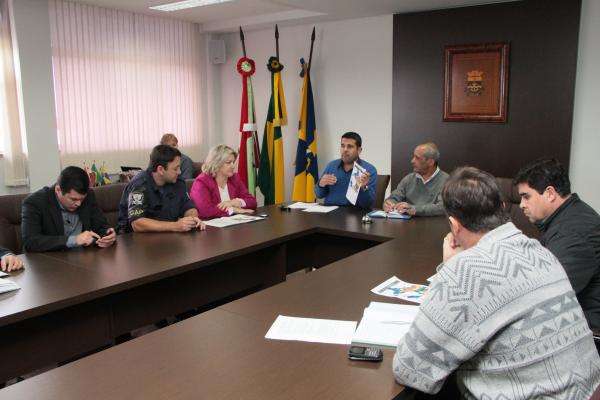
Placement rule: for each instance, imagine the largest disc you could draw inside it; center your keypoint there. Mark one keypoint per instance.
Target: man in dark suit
(64, 216)
(8, 261)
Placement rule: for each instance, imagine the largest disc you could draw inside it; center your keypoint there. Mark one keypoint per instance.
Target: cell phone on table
(362, 353)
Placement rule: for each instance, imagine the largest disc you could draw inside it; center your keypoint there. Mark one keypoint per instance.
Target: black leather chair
(382, 184)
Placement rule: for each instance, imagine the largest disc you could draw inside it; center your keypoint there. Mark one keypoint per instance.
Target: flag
(104, 174)
(270, 170)
(97, 176)
(91, 175)
(307, 170)
(248, 159)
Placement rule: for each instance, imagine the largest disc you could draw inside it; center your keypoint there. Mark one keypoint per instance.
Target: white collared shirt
(437, 170)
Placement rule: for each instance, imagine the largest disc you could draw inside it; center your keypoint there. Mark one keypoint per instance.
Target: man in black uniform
(156, 200)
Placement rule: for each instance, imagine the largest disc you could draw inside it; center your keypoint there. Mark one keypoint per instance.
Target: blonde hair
(168, 138)
(216, 158)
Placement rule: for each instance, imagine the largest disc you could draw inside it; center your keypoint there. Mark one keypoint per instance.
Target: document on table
(8, 286)
(312, 330)
(399, 289)
(389, 215)
(3, 274)
(301, 206)
(384, 324)
(232, 220)
(320, 209)
(353, 186)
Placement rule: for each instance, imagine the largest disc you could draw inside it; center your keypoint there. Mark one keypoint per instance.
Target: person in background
(218, 191)
(8, 261)
(334, 182)
(64, 215)
(418, 193)
(187, 165)
(569, 228)
(156, 200)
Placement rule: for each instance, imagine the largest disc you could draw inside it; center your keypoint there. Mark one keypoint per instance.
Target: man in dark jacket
(569, 228)
(64, 216)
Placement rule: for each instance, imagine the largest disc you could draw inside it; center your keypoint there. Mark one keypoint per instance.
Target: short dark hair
(73, 178)
(540, 174)
(473, 197)
(162, 155)
(355, 136)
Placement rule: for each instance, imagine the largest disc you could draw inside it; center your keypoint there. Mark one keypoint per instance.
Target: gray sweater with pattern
(503, 316)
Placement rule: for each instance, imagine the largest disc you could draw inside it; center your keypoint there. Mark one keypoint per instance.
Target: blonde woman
(218, 191)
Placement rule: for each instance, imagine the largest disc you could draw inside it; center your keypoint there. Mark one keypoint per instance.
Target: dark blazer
(42, 224)
(4, 251)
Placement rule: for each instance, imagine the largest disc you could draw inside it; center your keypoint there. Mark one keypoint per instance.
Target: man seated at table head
(187, 165)
(64, 215)
(218, 191)
(500, 312)
(569, 228)
(8, 261)
(418, 193)
(335, 179)
(156, 200)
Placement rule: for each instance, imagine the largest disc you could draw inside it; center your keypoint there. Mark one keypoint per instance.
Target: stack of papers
(232, 220)
(399, 289)
(312, 330)
(389, 215)
(312, 207)
(384, 324)
(8, 286)
(301, 206)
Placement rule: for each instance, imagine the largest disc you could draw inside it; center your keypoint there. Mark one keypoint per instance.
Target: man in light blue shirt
(335, 179)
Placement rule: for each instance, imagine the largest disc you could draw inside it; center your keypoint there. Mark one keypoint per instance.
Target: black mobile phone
(361, 353)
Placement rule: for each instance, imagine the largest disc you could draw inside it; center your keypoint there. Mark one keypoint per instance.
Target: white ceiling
(257, 14)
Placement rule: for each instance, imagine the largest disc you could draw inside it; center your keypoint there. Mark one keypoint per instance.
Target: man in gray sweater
(500, 312)
(418, 193)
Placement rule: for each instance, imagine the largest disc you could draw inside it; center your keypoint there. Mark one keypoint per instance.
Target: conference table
(76, 302)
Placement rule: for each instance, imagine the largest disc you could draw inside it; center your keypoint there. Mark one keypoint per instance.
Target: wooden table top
(222, 353)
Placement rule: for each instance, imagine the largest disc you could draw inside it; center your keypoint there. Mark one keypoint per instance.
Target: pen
(396, 322)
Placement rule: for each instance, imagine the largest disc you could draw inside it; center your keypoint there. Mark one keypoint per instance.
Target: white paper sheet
(300, 205)
(232, 220)
(8, 286)
(3, 274)
(384, 324)
(320, 209)
(353, 187)
(312, 330)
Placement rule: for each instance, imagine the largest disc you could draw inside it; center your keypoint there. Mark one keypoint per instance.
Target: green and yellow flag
(270, 170)
(307, 170)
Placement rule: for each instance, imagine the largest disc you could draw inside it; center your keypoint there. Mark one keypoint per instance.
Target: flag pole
(276, 41)
(312, 42)
(242, 39)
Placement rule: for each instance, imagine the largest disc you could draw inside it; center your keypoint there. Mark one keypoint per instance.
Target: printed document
(399, 289)
(232, 220)
(353, 187)
(312, 330)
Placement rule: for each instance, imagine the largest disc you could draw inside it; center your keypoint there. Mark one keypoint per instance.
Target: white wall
(585, 144)
(352, 83)
(34, 65)
(352, 86)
